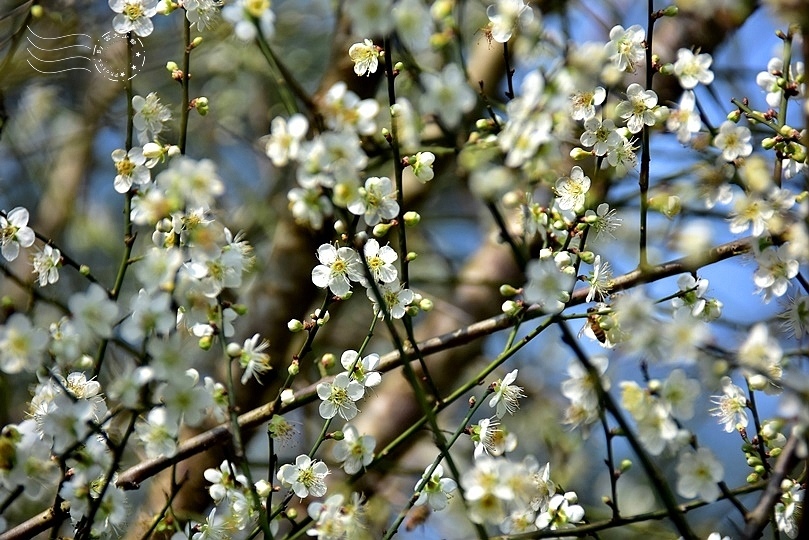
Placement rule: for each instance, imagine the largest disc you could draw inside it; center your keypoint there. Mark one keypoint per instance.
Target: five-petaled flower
(15, 233)
(306, 477)
(365, 57)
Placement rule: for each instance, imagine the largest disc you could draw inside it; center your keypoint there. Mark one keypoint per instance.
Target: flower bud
(578, 154)
(287, 396)
(398, 66)
(328, 360)
(173, 150)
(294, 325)
(775, 452)
(760, 470)
(294, 368)
(338, 435)
(152, 150)
(752, 478)
(412, 219)
(233, 350)
(37, 11)
(166, 7)
(172, 66)
(201, 105)
(670, 11)
(734, 116)
(381, 229)
(197, 41)
(587, 257)
(411, 256)
(84, 270)
(508, 291)
(426, 305)
(768, 143)
(625, 465)
(291, 513)
(205, 343)
(511, 308)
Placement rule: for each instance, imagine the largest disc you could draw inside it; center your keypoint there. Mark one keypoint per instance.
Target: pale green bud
(578, 154)
(587, 256)
(205, 343)
(294, 368)
(734, 116)
(381, 229)
(201, 105)
(328, 360)
(295, 325)
(411, 218)
(426, 305)
(507, 290)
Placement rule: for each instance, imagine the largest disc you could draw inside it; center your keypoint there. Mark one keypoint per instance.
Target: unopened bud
(84, 270)
(398, 66)
(205, 343)
(234, 350)
(578, 154)
(287, 396)
(667, 69)
(625, 465)
(768, 143)
(670, 11)
(37, 11)
(338, 435)
(426, 305)
(294, 368)
(201, 105)
(412, 219)
(197, 41)
(328, 360)
(291, 513)
(411, 256)
(508, 291)
(295, 325)
(172, 66)
(752, 478)
(734, 116)
(381, 229)
(587, 257)
(173, 150)
(511, 308)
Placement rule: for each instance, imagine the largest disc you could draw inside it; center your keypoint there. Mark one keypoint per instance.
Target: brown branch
(759, 517)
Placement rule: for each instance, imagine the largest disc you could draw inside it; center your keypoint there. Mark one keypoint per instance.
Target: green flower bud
(205, 343)
(625, 465)
(338, 435)
(411, 256)
(294, 368)
(201, 105)
(381, 229)
(426, 305)
(752, 478)
(328, 360)
(508, 291)
(587, 256)
(412, 219)
(734, 116)
(578, 154)
(670, 11)
(295, 325)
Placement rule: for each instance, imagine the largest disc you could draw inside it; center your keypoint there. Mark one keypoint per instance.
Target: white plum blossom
(157, 433)
(365, 57)
(506, 15)
(626, 47)
(46, 265)
(131, 168)
(571, 190)
(338, 397)
(21, 344)
(685, 120)
(447, 95)
(698, 473)
(638, 109)
(583, 104)
(375, 201)
(483, 436)
(562, 512)
(370, 17)
(760, 357)
(93, 312)
(422, 166)
(150, 116)
(362, 370)
(679, 393)
(355, 452)
(395, 296)
(506, 395)
(602, 136)
(306, 477)
(693, 69)
(309, 206)
(435, 491)
(244, 14)
(380, 261)
(253, 359)
(776, 267)
(731, 406)
(343, 110)
(15, 233)
(548, 286)
(337, 268)
(284, 142)
(133, 16)
(604, 220)
(599, 280)
(733, 141)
